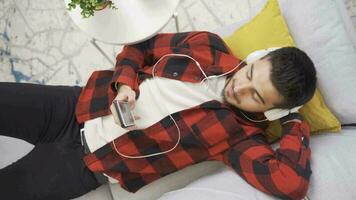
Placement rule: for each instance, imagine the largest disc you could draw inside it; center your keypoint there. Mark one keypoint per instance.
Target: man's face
(250, 89)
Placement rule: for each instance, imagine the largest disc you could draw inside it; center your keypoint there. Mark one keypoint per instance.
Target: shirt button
(175, 74)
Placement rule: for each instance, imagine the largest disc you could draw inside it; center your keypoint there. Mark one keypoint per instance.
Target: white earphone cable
(179, 133)
(253, 119)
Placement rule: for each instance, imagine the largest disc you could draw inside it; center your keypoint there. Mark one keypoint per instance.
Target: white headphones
(275, 113)
(258, 54)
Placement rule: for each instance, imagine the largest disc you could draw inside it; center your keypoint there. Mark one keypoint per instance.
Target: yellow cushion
(268, 29)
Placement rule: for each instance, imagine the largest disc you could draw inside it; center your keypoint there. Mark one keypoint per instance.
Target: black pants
(43, 116)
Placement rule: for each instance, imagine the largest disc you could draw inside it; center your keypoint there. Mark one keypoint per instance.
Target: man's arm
(285, 172)
(135, 57)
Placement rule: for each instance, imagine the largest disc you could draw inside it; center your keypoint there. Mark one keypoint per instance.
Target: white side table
(134, 21)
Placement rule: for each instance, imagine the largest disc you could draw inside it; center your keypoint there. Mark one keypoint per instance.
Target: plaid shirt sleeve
(136, 57)
(283, 173)
(135, 63)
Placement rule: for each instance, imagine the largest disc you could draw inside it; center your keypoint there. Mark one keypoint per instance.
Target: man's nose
(242, 88)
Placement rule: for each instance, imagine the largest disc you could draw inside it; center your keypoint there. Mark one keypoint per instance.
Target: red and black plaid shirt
(210, 131)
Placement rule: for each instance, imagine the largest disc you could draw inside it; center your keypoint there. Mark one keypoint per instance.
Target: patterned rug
(39, 42)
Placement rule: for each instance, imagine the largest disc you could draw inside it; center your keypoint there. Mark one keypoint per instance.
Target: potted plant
(89, 6)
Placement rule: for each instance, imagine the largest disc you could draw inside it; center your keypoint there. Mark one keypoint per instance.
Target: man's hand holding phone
(125, 93)
(122, 105)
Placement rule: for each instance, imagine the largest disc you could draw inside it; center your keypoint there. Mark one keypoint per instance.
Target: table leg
(175, 16)
(93, 41)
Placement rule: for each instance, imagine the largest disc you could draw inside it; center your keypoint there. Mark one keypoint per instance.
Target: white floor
(40, 44)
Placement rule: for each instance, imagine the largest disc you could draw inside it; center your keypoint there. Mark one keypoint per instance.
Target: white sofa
(312, 23)
(333, 157)
(333, 177)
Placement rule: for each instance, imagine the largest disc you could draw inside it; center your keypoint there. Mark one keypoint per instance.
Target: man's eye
(255, 98)
(248, 77)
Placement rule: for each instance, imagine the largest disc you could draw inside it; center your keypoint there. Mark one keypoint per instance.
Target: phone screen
(125, 116)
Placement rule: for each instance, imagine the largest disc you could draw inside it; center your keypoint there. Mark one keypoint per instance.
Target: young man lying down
(189, 99)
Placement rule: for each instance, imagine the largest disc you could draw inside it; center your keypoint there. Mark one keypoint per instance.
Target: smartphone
(122, 113)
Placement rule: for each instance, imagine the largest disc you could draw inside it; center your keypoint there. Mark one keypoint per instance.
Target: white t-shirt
(158, 98)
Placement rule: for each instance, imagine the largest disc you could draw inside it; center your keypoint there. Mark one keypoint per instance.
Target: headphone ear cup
(252, 57)
(276, 113)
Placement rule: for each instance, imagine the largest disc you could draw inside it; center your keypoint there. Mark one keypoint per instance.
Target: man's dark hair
(293, 75)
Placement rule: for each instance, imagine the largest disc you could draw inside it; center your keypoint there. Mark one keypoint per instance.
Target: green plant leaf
(88, 6)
